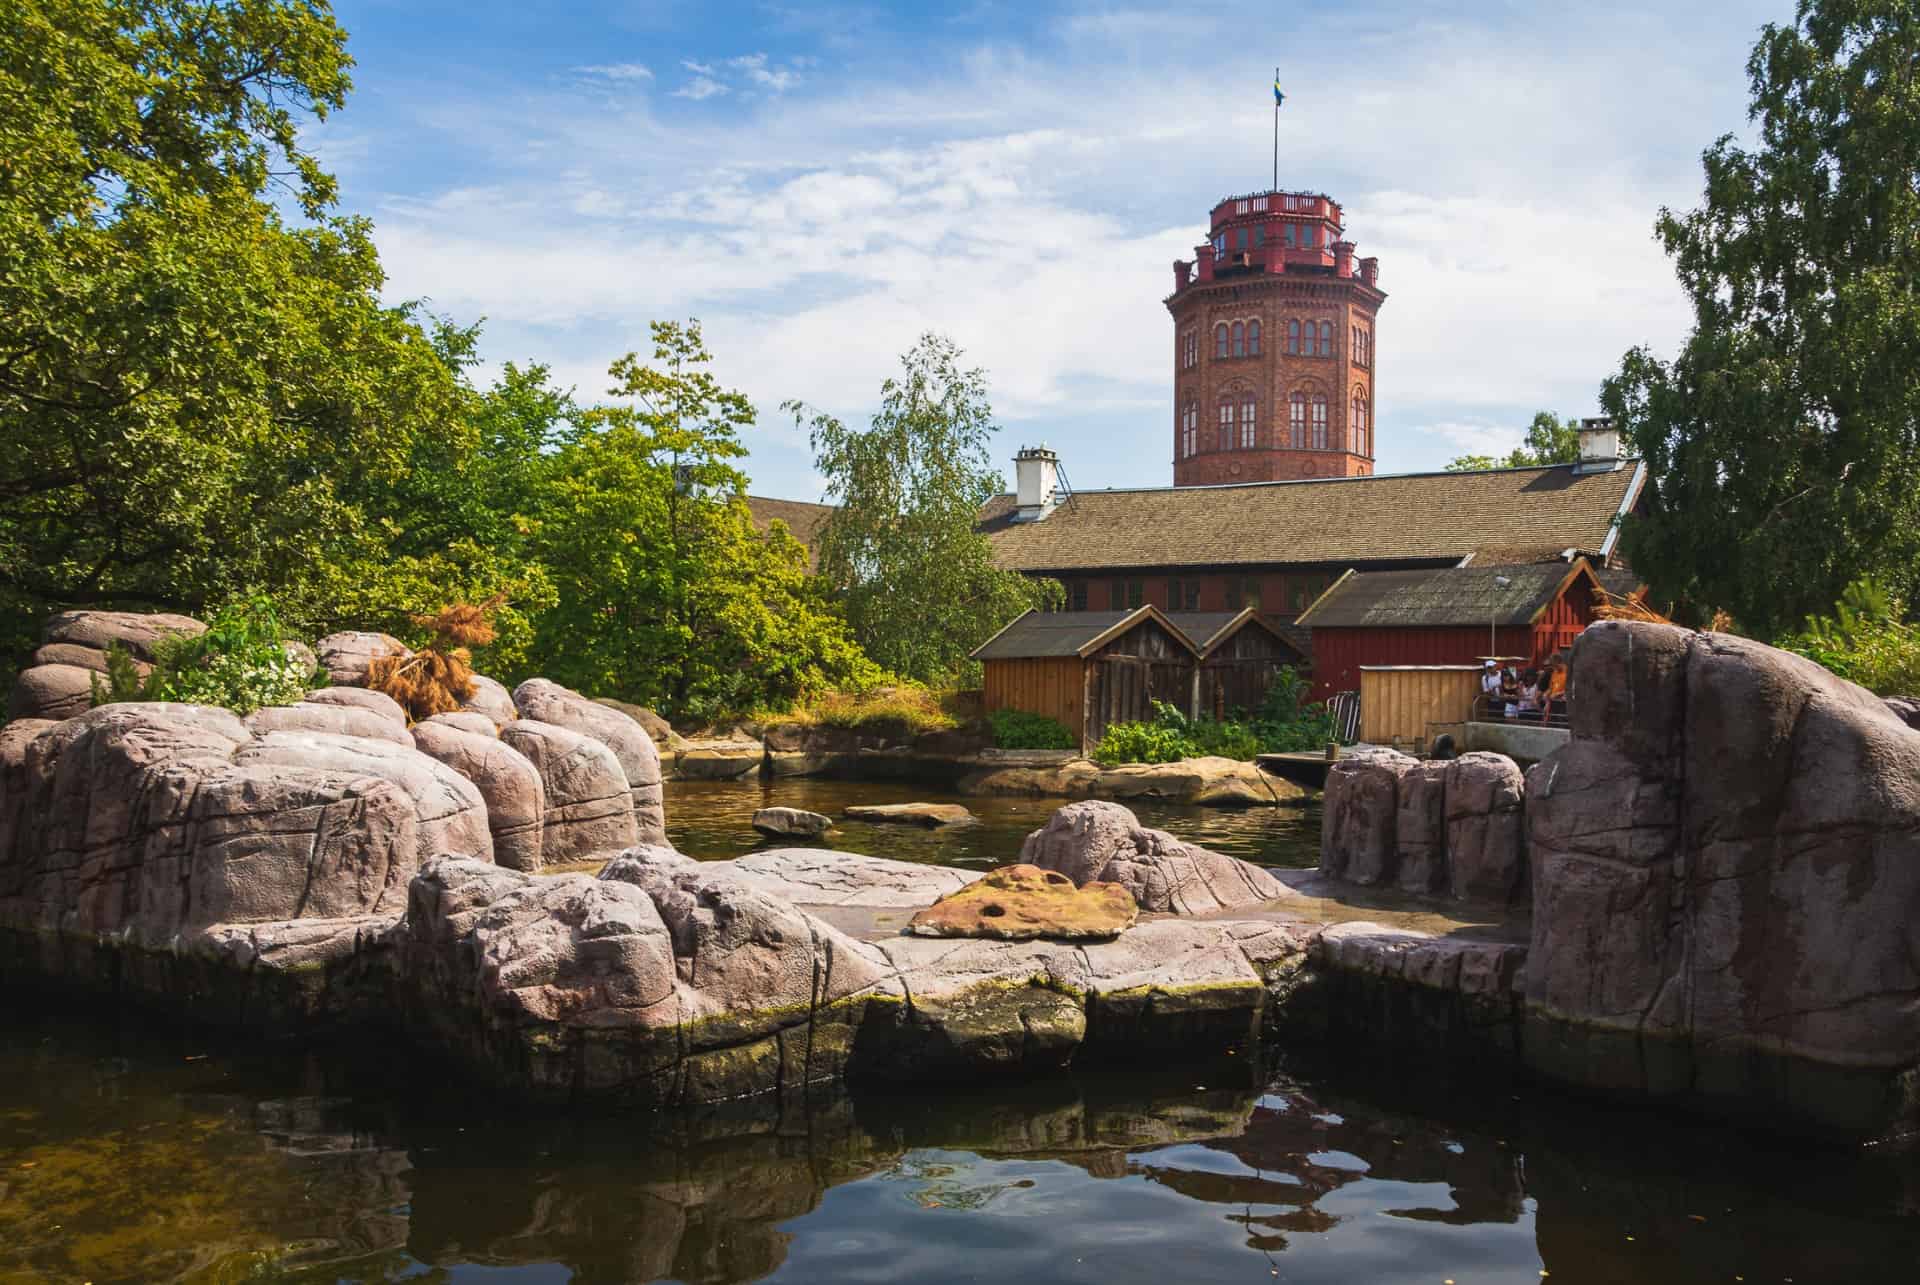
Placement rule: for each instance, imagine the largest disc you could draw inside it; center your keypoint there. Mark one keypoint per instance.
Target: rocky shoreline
(1722, 870)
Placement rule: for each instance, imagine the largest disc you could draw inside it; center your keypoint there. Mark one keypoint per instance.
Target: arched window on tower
(1253, 339)
(1220, 340)
(1326, 339)
(1358, 414)
(1293, 338)
(1319, 421)
(1225, 439)
(1247, 421)
(1297, 421)
(1239, 340)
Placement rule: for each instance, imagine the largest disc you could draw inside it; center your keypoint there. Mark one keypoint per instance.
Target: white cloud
(773, 79)
(700, 87)
(1031, 208)
(617, 71)
(697, 68)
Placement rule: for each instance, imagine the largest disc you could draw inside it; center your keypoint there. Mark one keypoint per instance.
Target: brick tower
(1273, 354)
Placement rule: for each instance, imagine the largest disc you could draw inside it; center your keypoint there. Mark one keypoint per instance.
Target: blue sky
(819, 184)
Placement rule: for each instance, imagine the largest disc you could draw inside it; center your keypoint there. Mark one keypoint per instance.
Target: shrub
(1864, 641)
(238, 663)
(1143, 743)
(1015, 729)
(1282, 724)
(438, 678)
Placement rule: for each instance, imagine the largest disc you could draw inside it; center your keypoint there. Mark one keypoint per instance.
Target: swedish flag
(1278, 97)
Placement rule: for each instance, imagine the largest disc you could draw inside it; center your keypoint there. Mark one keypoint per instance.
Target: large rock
(664, 737)
(791, 823)
(1486, 827)
(1727, 883)
(931, 815)
(820, 878)
(1103, 842)
(346, 655)
(334, 717)
(589, 806)
(359, 698)
(1906, 709)
(1022, 903)
(84, 657)
(548, 702)
(1360, 821)
(136, 631)
(492, 699)
(507, 780)
(1207, 782)
(1420, 827)
(52, 692)
(717, 760)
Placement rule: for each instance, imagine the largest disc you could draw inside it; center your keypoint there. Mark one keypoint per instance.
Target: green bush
(1284, 723)
(1864, 641)
(1015, 729)
(238, 663)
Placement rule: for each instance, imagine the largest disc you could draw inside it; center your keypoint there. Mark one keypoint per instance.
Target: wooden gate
(1122, 689)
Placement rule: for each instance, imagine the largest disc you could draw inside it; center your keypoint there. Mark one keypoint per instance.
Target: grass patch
(906, 709)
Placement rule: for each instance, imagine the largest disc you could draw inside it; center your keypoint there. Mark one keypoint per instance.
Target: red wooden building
(1452, 616)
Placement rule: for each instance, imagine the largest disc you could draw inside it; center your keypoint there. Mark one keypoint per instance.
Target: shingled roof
(1506, 515)
(804, 520)
(1038, 634)
(1442, 596)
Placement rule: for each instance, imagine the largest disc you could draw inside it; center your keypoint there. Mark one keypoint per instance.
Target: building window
(1319, 422)
(1306, 236)
(1190, 349)
(1253, 339)
(1219, 245)
(1183, 595)
(1190, 429)
(1243, 591)
(1286, 235)
(1239, 238)
(1326, 339)
(1359, 413)
(1226, 424)
(1239, 340)
(1246, 422)
(1293, 338)
(1077, 596)
(1297, 421)
(1259, 236)
(1125, 595)
(1220, 340)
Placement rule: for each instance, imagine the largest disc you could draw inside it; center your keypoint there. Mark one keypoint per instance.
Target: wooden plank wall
(1339, 653)
(1401, 707)
(1049, 685)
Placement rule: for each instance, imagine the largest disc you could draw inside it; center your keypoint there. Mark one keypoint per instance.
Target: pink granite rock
(1097, 841)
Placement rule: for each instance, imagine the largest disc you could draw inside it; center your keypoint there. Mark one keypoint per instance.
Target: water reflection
(714, 820)
(120, 1159)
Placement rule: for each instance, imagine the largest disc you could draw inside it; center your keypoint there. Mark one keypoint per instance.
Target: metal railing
(1495, 709)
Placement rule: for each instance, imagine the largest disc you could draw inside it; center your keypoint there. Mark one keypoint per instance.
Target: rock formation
(346, 656)
(931, 815)
(1025, 903)
(589, 806)
(791, 823)
(549, 702)
(58, 683)
(1100, 841)
(512, 786)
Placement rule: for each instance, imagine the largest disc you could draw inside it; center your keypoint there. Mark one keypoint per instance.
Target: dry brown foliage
(1615, 606)
(438, 678)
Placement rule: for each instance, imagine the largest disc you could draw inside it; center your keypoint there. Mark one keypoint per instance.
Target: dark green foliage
(1015, 729)
(1783, 442)
(1864, 640)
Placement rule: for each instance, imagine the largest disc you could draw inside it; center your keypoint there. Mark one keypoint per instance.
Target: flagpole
(1276, 132)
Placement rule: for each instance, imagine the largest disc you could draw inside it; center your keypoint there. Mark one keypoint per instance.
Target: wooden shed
(1449, 616)
(1089, 668)
(1406, 706)
(1240, 652)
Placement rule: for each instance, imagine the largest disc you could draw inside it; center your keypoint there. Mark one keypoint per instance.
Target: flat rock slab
(930, 815)
(791, 823)
(1026, 903)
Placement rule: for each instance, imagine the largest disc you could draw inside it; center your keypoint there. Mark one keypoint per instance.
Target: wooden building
(1240, 653)
(1089, 668)
(1452, 616)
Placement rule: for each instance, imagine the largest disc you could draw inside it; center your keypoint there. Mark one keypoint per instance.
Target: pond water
(714, 820)
(157, 1153)
(161, 1155)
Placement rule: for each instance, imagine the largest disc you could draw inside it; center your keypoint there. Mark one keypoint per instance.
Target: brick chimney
(1206, 261)
(1370, 270)
(1343, 258)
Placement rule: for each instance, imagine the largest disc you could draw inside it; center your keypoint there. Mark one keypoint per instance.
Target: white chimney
(1599, 446)
(1036, 471)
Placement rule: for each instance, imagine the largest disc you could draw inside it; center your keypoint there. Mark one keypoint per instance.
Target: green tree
(190, 383)
(1783, 441)
(666, 593)
(916, 579)
(1549, 440)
